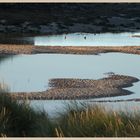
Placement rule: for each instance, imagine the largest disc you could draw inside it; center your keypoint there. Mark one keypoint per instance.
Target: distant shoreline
(58, 18)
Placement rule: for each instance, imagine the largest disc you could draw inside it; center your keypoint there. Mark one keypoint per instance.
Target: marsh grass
(96, 121)
(18, 119)
(4, 87)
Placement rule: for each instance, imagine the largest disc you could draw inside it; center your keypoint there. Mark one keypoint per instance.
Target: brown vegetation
(7, 49)
(31, 49)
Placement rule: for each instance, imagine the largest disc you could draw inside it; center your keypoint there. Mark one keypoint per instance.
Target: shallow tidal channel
(31, 73)
(88, 39)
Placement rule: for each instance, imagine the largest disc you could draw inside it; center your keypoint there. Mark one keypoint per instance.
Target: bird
(85, 37)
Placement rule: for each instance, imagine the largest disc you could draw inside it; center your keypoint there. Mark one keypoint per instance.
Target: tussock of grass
(20, 120)
(98, 122)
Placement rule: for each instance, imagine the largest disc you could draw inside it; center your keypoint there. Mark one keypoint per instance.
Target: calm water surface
(87, 39)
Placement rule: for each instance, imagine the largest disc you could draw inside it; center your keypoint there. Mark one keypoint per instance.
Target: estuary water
(88, 39)
(26, 73)
(32, 72)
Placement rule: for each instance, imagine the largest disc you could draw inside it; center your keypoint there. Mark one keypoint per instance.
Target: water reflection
(13, 38)
(88, 39)
(6, 57)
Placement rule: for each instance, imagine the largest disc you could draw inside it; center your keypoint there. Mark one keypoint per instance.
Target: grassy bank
(97, 122)
(19, 120)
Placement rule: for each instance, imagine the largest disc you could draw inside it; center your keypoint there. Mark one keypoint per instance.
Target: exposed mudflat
(31, 49)
(82, 88)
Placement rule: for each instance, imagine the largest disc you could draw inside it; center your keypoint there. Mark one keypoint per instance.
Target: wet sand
(6, 49)
(81, 89)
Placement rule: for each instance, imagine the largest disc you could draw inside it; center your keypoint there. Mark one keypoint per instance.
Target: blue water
(88, 39)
